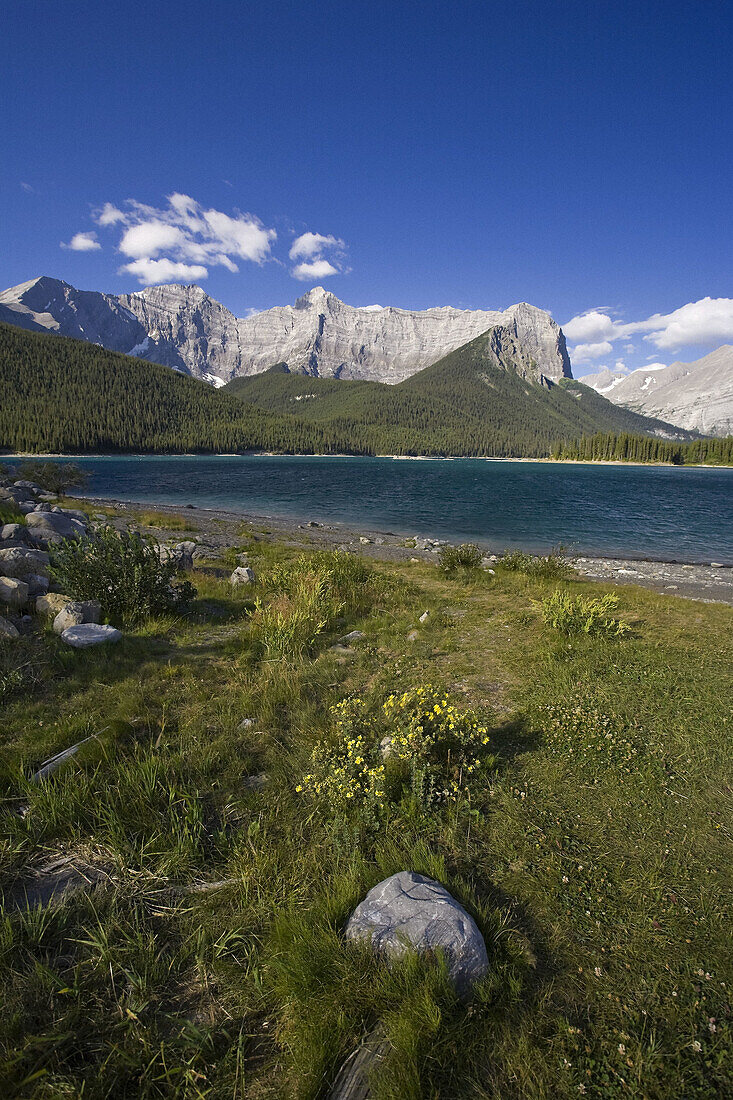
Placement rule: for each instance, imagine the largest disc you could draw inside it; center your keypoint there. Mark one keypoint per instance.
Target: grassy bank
(593, 849)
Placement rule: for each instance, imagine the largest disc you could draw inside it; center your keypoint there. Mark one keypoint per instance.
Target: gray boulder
(73, 513)
(24, 484)
(17, 561)
(410, 912)
(15, 533)
(89, 634)
(13, 592)
(26, 506)
(49, 605)
(7, 630)
(77, 613)
(42, 508)
(183, 559)
(55, 526)
(242, 575)
(37, 585)
(12, 493)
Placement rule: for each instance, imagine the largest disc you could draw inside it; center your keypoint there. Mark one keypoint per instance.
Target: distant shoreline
(395, 458)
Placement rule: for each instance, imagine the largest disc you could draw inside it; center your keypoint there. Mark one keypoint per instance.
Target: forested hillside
(610, 447)
(67, 396)
(467, 403)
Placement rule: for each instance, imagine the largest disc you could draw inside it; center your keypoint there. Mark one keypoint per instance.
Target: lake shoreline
(216, 528)
(396, 458)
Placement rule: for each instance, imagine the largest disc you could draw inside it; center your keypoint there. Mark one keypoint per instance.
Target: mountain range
(320, 336)
(697, 396)
(182, 327)
(485, 398)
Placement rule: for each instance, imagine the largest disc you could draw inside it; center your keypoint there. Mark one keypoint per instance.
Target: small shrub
(464, 558)
(55, 477)
(420, 745)
(123, 572)
(552, 566)
(578, 615)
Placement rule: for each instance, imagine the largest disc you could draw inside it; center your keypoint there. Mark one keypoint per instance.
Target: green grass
(595, 858)
(9, 514)
(165, 521)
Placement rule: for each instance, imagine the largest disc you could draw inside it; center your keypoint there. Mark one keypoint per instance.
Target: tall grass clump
(290, 623)
(349, 581)
(459, 559)
(124, 572)
(583, 615)
(307, 597)
(553, 566)
(164, 521)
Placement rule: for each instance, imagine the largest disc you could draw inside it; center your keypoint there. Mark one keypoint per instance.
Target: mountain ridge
(697, 396)
(183, 327)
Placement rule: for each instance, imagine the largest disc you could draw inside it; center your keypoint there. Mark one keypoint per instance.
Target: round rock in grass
(410, 912)
(242, 575)
(89, 634)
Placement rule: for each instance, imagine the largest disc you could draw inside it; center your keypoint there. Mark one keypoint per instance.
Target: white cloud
(590, 327)
(152, 272)
(583, 352)
(321, 255)
(109, 215)
(313, 244)
(183, 239)
(27, 188)
(708, 321)
(83, 242)
(318, 269)
(149, 239)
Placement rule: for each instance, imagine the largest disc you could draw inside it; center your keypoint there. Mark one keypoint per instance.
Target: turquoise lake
(655, 512)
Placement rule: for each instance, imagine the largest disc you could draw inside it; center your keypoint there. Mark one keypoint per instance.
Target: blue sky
(575, 155)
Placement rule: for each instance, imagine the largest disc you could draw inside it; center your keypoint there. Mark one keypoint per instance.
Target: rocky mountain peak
(316, 297)
(180, 326)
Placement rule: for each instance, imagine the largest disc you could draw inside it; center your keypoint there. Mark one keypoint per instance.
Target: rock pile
(24, 567)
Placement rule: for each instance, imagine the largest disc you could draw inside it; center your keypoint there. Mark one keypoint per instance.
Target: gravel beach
(215, 529)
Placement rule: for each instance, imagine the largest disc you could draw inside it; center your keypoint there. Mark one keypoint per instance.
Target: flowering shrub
(348, 769)
(420, 744)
